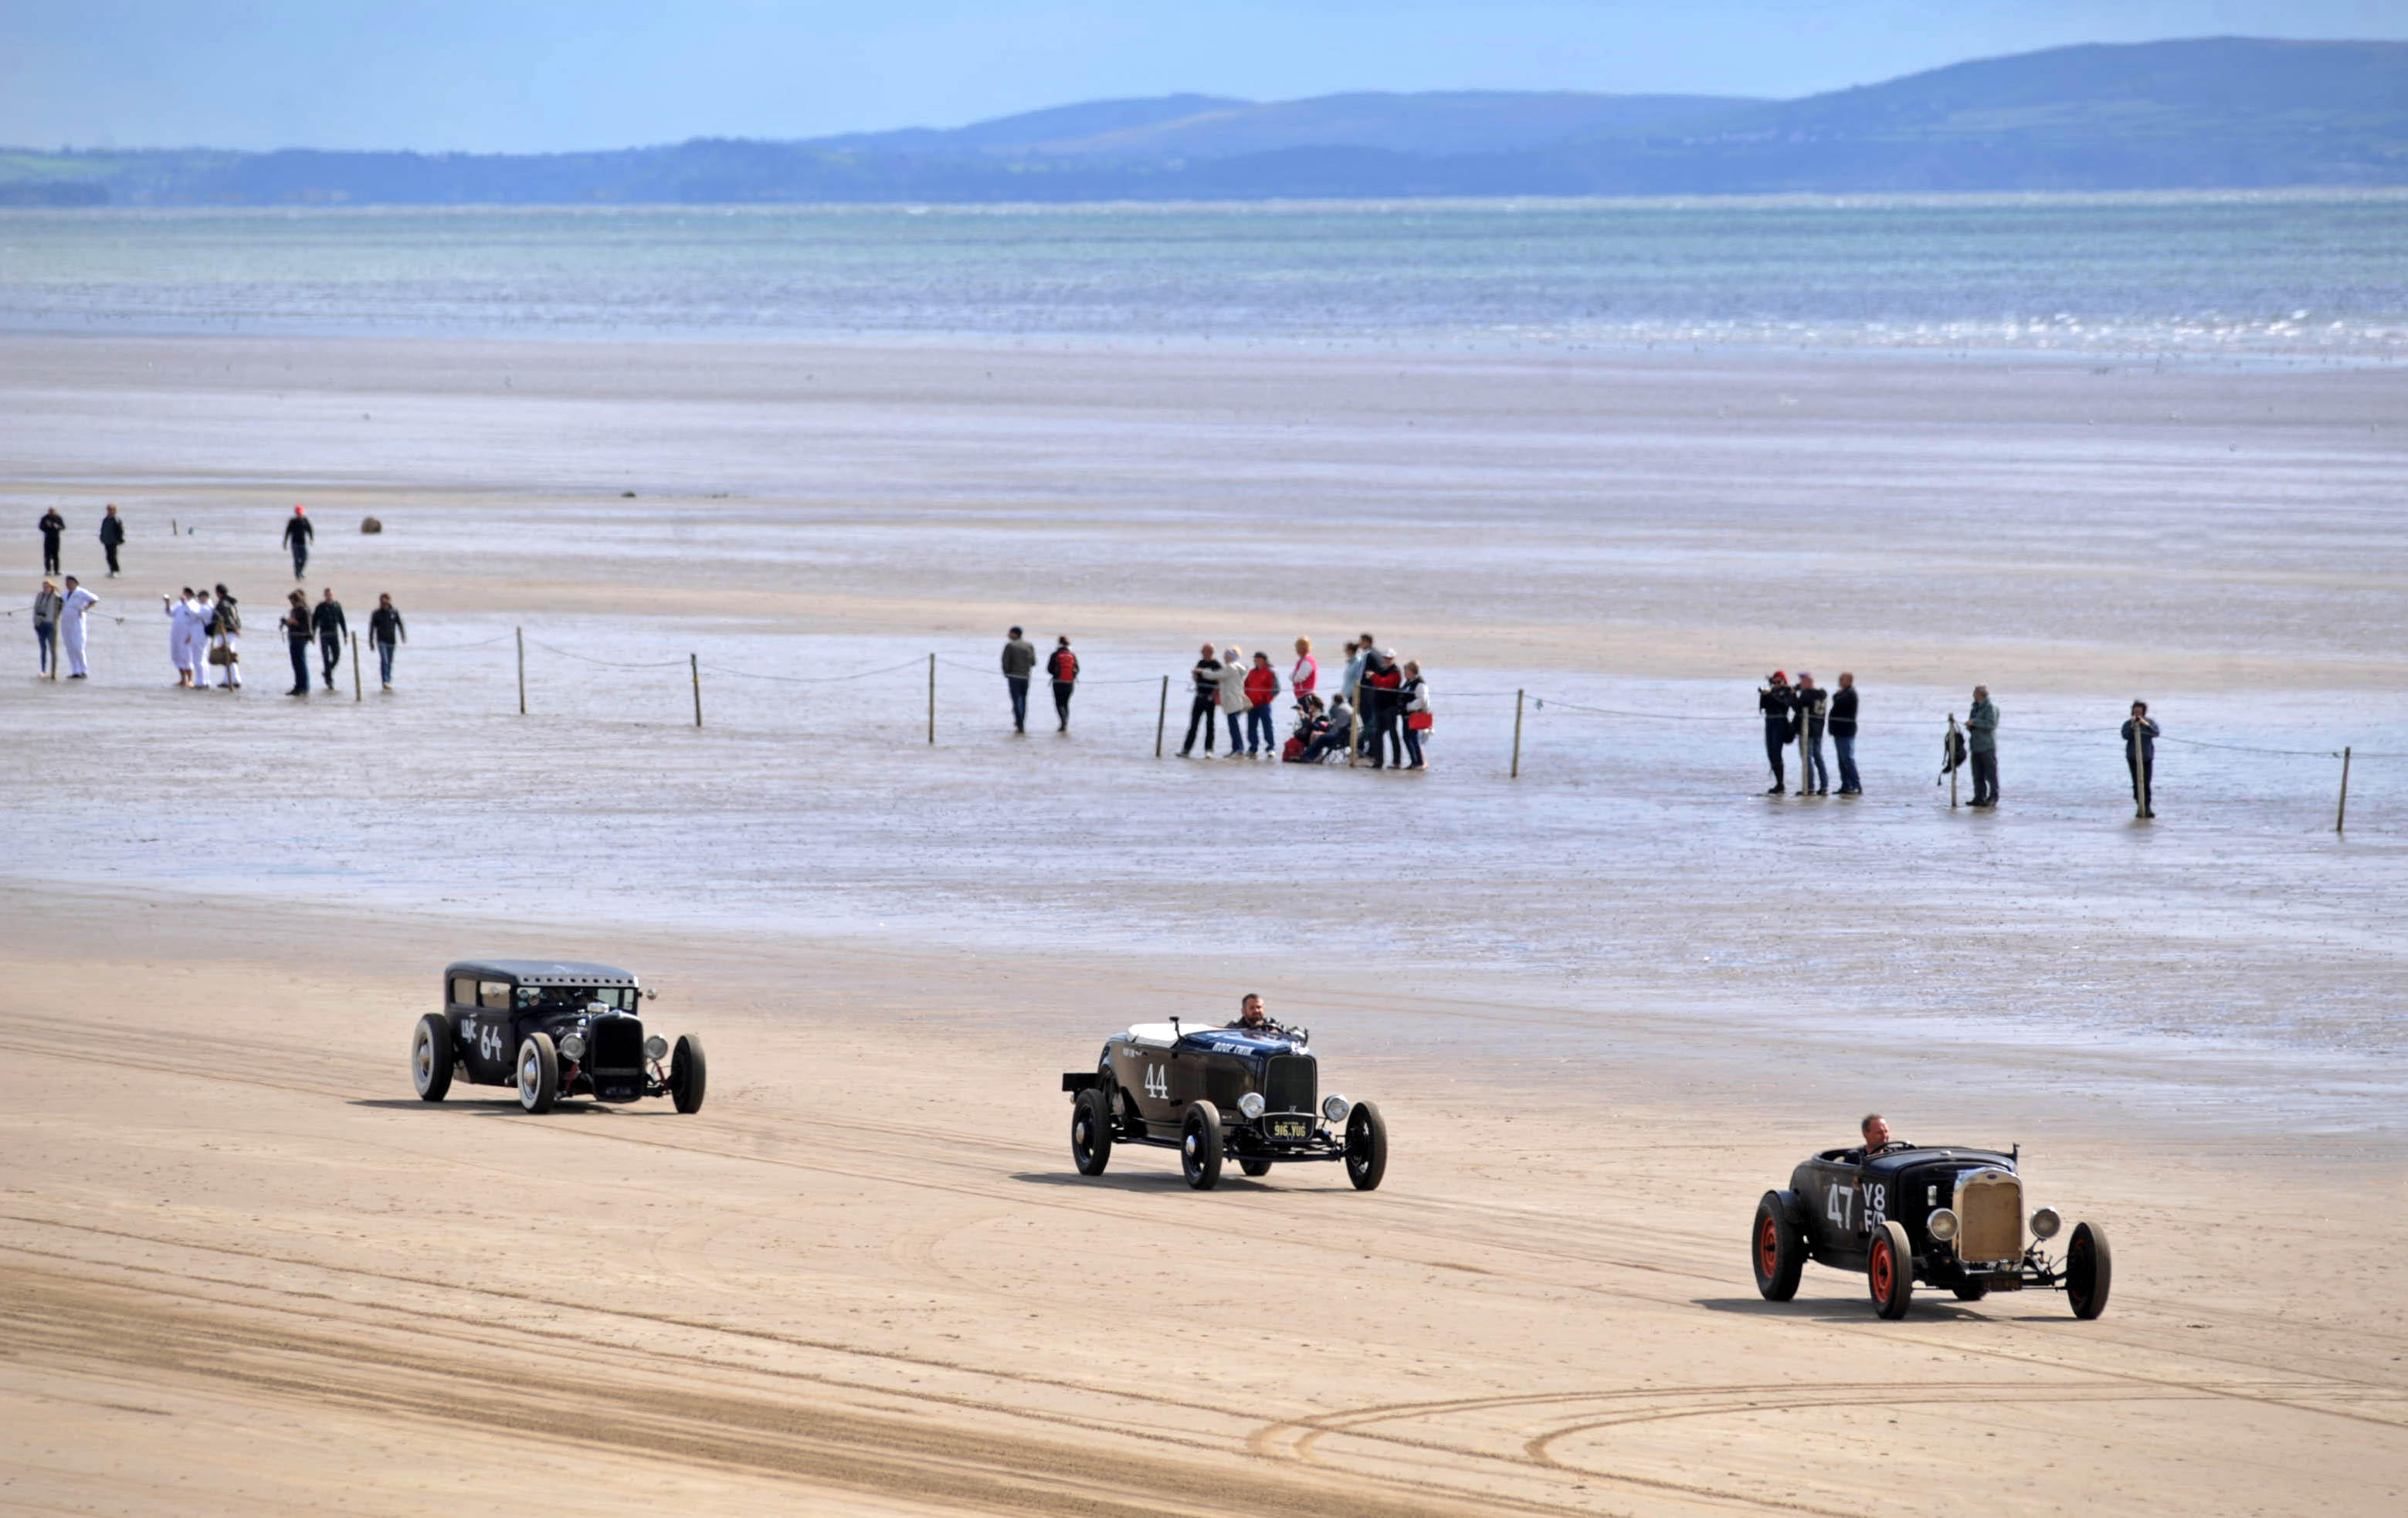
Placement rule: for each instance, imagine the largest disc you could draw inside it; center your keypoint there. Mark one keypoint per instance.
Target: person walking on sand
(385, 631)
(47, 610)
(2141, 757)
(1018, 662)
(1234, 704)
(1062, 668)
(71, 609)
(298, 533)
(1412, 704)
(1779, 703)
(328, 621)
(1306, 675)
(1262, 690)
(112, 537)
(1843, 734)
(51, 525)
(1813, 710)
(178, 612)
(225, 641)
(1203, 701)
(295, 623)
(1982, 747)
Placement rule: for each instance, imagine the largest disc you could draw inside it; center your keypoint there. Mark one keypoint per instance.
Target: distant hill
(2221, 112)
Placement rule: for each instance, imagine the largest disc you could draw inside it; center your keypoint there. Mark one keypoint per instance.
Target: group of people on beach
(1379, 711)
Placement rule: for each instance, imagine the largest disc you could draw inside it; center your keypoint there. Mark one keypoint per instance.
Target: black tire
(1775, 1251)
(1199, 1146)
(689, 1074)
(1256, 1168)
(430, 1057)
(1889, 1270)
(539, 1073)
(1091, 1131)
(1972, 1291)
(2089, 1270)
(1367, 1147)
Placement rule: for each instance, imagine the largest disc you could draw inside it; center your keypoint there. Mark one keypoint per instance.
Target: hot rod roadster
(1943, 1216)
(1252, 1095)
(553, 1029)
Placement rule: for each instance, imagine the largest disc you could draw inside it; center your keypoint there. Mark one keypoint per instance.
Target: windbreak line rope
(607, 664)
(2239, 748)
(816, 680)
(454, 648)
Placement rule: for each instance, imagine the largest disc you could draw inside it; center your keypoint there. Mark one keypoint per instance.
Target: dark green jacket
(1982, 727)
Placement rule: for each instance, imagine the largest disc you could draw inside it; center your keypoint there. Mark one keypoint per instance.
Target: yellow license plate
(1291, 1127)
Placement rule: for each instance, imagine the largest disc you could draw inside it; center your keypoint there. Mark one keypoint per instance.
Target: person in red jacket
(1062, 668)
(1262, 689)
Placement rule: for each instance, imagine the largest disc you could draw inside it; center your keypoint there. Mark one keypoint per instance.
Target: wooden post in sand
(1161, 716)
(356, 669)
(1515, 773)
(932, 698)
(1952, 754)
(520, 633)
(2340, 814)
(693, 668)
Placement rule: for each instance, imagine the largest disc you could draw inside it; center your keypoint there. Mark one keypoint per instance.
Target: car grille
(1989, 1217)
(617, 1043)
(1290, 1084)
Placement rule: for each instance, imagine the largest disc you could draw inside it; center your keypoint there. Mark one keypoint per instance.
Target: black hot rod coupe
(1941, 1214)
(553, 1029)
(1251, 1094)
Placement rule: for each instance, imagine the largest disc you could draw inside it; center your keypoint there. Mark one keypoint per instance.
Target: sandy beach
(1604, 1005)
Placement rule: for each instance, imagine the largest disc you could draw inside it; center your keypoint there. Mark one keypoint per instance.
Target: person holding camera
(2141, 757)
(1779, 703)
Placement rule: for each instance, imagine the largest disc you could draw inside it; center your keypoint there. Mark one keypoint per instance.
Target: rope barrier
(607, 664)
(2237, 748)
(816, 679)
(454, 648)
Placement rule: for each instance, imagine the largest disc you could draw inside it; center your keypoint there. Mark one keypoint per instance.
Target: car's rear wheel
(1091, 1131)
(1367, 1147)
(2089, 1270)
(1889, 1271)
(539, 1073)
(1972, 1291)
(689, 1076)
(1775, 1251)
(430, 1057)
(1199, 1146)
(1255, 1166)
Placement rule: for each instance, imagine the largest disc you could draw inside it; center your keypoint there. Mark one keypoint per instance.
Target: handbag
(220, 654)
(1418, 721)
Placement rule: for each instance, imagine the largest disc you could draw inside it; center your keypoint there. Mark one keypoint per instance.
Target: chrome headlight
(1335, 1108)
(1943, 1224)
(1251, 1105)
(573, 1044)
(656, 1048)
(2045, 1222)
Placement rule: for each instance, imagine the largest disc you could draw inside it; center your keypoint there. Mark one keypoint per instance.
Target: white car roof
(1153, 1035)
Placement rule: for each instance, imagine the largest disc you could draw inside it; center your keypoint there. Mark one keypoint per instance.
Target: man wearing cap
(298, 533)
(1779, 703)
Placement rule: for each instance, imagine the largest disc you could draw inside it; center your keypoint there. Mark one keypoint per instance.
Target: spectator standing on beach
(1062, 668)
(1843, 734)
(112, 537)
(2141, 757)
(1412, 704)
(1019, 663)
(1305, 678)
(1262, 689)
(198, 639)
(1779, 703)
(1813, 710)
(1982, 747)
(1381, 718)
(178, 612)
(329, 622)
(51, 525)
(225, 633)
(295, 623)
(1234, 704)
(47, 605)
(298, 534)
(1203, 701)
(71, 609)
(385, 631)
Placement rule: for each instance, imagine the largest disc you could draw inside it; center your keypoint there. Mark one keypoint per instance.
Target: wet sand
(1604, 1005)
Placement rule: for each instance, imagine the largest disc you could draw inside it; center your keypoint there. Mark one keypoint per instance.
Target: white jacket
(1233, 685)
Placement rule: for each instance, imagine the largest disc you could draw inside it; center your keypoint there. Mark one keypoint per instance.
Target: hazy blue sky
(552, 74)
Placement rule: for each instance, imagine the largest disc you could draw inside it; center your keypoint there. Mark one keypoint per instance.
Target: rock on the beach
(370, 524)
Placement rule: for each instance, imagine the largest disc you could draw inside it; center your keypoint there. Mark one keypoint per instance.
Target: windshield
(574, 998)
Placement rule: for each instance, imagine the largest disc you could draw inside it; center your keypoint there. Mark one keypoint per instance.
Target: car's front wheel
(1199, 1146)
(1091, 1131)
(1367, 1147)
(1972, 1291)
(539, 1073)
(1775, 1251)
(689, 1077)
(2089, 1270)
(1255, 1166)
(430, 1057)
(1889, 1271)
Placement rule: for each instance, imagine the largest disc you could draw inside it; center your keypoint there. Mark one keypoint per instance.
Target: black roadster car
(1253, 1097)
(553, 1029)
(1941, 1215)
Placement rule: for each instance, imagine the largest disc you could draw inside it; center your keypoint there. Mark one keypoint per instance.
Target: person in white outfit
(71, 609)
(178, 611)
(199, 644)
(1235, 704)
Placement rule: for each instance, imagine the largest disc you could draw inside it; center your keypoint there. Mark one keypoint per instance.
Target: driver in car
(1252, 1018)
(1875, 1129)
